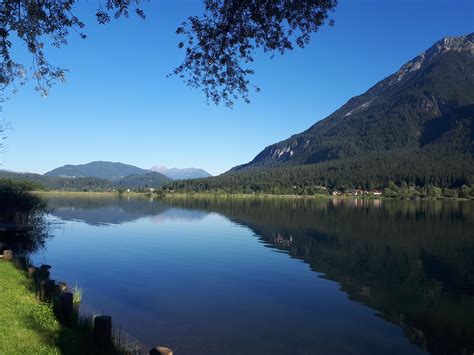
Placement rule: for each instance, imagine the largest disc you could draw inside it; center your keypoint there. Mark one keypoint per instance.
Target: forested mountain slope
(99, 169)
(426, 108)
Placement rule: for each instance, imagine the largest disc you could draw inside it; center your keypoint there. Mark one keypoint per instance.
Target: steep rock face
(427, 105)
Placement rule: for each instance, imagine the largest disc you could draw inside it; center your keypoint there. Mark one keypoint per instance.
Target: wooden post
(47, 288)
(20, 262)
(62, 287)
(32, 272)
(43, 272)
(103, 331)
(160, 350)
(64, 308)
(8, 255)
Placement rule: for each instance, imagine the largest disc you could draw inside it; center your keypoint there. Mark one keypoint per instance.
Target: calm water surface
(273, 276)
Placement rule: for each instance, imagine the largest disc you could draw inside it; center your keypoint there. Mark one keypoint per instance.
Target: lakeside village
(356, 192)
(348, 192)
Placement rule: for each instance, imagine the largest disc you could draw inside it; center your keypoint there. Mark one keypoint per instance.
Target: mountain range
(426, 107)
(115, 171)
(413, 127)
(99, 169)
(103, 175)
(181, 174)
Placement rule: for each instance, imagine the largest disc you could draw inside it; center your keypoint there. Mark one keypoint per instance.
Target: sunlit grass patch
(26, 326)
(30, 327)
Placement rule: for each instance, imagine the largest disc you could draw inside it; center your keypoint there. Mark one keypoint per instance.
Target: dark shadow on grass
(77, 339)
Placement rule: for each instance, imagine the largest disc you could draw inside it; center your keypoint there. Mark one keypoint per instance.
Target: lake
(272, 276)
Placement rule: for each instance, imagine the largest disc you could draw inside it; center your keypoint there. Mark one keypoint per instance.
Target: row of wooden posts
(49, 291)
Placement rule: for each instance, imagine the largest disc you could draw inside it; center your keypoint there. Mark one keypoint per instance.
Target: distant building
(336, 193)
(354, 192)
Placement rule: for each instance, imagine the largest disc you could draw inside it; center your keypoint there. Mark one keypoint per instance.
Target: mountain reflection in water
(410, 261)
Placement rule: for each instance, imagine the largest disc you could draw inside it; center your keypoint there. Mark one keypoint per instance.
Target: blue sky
(118, 105)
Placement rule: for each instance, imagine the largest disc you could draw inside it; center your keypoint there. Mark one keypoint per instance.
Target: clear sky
(118, 105)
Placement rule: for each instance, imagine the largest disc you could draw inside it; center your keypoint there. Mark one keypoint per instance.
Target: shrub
(17, 203)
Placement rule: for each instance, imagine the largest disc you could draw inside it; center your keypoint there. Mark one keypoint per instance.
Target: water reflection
(28, 231)
(413, 261)
(109, 210)
(410, 261)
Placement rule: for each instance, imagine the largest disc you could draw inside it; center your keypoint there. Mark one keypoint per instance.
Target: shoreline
(182, 195)
(55, 328)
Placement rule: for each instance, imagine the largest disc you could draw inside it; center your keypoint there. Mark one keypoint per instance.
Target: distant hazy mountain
(150, 179)
(181, 174)
(118, 171)
(100, 169)
(424, 110)
(60, 183)
(105, 175)
(135, 181)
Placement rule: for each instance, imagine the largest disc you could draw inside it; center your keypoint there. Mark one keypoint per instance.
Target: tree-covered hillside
(426, 108)
(143, 181)
(100, 169)
(57, 183)
(415, 128)
(375, 171)
(40, 182)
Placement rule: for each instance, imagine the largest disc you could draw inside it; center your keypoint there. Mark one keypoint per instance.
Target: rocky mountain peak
(406, 110)
(458, 44)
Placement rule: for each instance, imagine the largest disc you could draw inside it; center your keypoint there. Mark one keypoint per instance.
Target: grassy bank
(91, 193)
(182, 195)
(25, 325)
(30, 327)
(75, 193)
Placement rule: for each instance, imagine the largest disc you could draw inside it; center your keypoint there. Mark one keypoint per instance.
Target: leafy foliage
(218, 45)
(3, 128)
(31, 21)
(118, 8)
(17, 205)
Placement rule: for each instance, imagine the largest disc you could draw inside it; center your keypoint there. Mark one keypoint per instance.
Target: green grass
(26, 326)
(30, 327)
